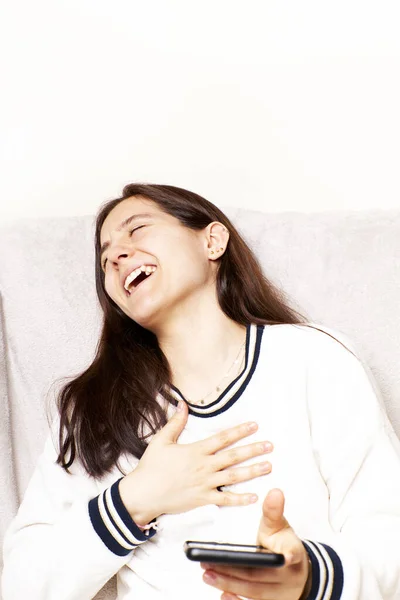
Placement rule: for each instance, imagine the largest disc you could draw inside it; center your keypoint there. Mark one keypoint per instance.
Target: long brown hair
(103, 409)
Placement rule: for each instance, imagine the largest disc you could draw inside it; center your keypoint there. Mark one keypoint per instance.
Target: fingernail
(264, 467)
(209, 576)
(179, 408)
(205, 566)
(252, 426)
(252, 498)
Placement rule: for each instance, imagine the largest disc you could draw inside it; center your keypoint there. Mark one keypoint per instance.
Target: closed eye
(130, 235)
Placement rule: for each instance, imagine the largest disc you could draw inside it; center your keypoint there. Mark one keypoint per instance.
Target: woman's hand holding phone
(291, 581)
(172, 478)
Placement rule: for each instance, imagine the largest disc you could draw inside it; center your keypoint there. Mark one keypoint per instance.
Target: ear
(216, 237)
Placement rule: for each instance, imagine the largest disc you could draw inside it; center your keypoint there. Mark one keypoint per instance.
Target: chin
(145, 316)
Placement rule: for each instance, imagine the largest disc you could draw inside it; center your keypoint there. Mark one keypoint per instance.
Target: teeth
(132, 276)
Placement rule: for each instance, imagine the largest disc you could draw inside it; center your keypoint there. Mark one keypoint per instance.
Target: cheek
(191, 259)
(110, 287)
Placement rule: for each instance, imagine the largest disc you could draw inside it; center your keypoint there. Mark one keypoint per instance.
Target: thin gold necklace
(218, 388)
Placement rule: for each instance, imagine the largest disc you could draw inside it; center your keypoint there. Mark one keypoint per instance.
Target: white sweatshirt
(336, 458)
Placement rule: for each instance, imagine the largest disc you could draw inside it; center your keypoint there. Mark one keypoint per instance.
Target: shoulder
(320, 350)
(335, 363)
(313, 340)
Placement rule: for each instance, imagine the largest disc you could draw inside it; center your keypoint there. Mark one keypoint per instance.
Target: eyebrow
(124, 224)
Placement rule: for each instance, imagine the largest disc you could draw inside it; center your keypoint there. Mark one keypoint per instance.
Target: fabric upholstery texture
(339, 268)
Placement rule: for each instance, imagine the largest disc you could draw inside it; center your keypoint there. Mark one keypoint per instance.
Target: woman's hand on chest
(173, 478)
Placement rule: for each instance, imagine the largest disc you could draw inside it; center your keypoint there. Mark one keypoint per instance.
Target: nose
(119, 252)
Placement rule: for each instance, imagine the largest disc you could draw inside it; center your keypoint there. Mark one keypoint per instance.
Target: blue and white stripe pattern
(327, 572)
(113, 523)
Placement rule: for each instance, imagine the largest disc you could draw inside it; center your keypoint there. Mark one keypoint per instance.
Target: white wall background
(274, 105)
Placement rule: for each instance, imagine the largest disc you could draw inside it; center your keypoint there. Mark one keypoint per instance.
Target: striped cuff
(113, 523)
(327, 572)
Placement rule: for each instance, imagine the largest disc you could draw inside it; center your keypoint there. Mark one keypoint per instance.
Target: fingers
(271, 574)
(227, 437)
(241, 588)
(239, 454)
(231, 499)
(239, 474)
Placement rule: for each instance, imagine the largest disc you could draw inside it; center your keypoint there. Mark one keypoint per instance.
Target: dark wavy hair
(103, 410)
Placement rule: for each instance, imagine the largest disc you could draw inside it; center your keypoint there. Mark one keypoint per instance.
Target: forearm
(64, 560)
(69, 555)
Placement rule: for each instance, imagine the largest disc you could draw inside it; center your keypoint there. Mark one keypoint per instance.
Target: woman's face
(181, 256)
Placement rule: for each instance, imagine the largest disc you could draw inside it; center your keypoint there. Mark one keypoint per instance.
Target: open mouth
(136, 282)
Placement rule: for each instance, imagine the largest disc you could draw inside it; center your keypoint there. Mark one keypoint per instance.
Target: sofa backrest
(339, 269)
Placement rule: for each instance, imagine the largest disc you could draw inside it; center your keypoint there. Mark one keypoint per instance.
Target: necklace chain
(217, 388)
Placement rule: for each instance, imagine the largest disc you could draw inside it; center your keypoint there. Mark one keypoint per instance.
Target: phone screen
(228, 547)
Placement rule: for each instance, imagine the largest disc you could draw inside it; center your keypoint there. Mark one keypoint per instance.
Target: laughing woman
(211, 411)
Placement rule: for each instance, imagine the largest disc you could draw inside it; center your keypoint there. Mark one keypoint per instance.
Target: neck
(201, 350)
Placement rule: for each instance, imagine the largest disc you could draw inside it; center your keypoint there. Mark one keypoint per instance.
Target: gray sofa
(339, 269)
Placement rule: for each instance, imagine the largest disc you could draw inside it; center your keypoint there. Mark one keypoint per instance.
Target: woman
(229, 417)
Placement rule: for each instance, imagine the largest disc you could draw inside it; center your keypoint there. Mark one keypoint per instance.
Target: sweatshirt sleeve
(66, 542)
(358, 454)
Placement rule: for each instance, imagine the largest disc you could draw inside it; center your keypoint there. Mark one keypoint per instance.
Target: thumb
(274, 532)
(173, 429)
(272, 519)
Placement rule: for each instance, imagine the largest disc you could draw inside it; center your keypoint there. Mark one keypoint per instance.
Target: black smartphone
(238, 555)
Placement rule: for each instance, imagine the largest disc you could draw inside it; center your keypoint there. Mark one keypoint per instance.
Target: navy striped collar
(236, 388)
